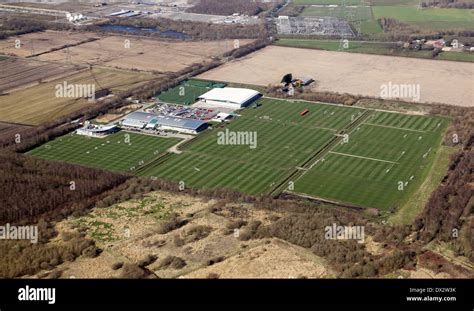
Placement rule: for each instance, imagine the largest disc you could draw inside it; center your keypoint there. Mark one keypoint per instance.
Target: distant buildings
(437, 45)
(74, 17)
(310, 25)
(125, 13)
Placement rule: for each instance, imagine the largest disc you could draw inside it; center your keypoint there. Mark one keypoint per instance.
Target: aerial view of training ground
(240, 139)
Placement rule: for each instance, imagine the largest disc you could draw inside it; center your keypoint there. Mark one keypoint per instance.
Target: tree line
(448, 214)
(192, 29)
(450, 4)
(14, 26)
(307, 94)
(32, 187)
(219, 7)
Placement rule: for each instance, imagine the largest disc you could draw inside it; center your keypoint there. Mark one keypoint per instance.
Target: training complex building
(145, 120)
(230, 97)
(225, 97)
(92, 130)
(220, 97)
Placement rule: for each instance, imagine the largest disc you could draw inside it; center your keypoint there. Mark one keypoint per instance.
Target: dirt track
(440, 81)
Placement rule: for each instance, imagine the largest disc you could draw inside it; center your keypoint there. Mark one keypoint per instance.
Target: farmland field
(428, 19)
(125, 52)
(41, 42)
(392, 2)
(338, 2)
(20, 73)
(143, 54)
(385, 158)
(456, 56)
(352, 73)
(38, 104)
(359, 13)
(379, 48)
(285, 140)
(188, 91)
(110, 153)
(414, 14)
(370, 27)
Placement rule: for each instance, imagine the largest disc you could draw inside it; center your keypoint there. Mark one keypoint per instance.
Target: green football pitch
(284, 140)
(310, 152)
(187, 92)
(384, 160)
(121, 152)
(348, 155)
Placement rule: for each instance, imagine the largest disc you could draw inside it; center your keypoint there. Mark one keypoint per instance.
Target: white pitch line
(395, 128)
(360, 157)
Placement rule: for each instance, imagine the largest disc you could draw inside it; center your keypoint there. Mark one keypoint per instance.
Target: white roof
(230, 94)
(222, 115)
(96, 129)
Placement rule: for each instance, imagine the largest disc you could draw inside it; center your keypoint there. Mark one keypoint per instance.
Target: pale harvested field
(143, 54)
(39, 103)
(440, 81)
(40, 42)
(20, 73)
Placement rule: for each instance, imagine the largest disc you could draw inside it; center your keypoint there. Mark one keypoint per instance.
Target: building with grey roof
(140, 120)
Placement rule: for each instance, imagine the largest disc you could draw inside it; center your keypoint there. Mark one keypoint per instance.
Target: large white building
(234, 98)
